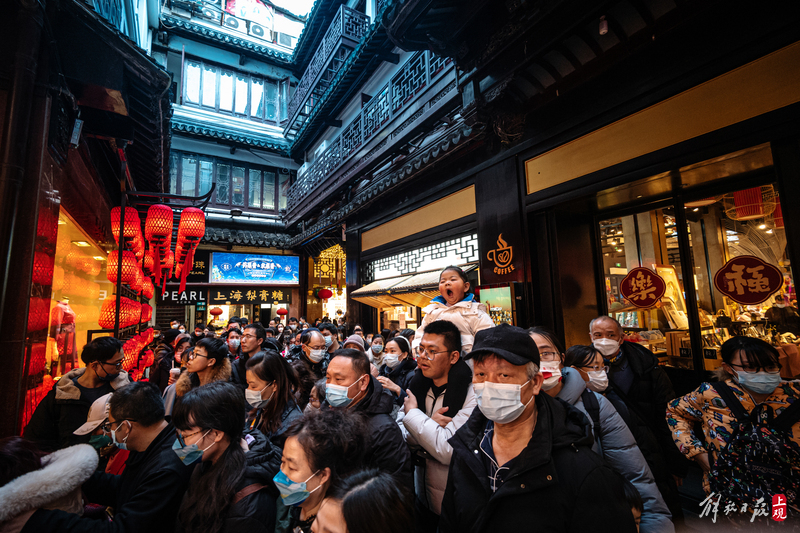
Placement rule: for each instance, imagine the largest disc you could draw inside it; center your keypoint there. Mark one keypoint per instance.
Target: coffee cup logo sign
(502, 257)
(748, 280)
(642, 287)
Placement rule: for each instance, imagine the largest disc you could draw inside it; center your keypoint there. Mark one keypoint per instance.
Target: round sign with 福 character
(642, 287)
(748, 280)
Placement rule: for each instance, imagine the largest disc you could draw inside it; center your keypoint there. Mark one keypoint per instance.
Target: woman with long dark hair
(229, 489)
(271, 384)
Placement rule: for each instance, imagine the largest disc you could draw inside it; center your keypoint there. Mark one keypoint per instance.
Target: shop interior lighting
(61, 222)
(762, 226)
(769, 231)
(81, 244)
(99, 257)
(696, 209)
(612, 243)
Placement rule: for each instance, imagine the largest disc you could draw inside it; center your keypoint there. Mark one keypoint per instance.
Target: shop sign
(187, 297)
(200, 268)
(642, 287)
(748, 280)
(247, 295)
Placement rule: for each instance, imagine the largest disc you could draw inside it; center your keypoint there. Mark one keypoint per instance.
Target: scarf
(458, 381)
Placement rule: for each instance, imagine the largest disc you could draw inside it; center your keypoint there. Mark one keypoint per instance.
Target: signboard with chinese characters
(202, 264)
(248, 295)
(255, 269)
(642, 287)
(748, 280)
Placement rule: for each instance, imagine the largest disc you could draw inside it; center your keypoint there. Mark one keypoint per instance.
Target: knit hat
(357, 340)
(169, 335)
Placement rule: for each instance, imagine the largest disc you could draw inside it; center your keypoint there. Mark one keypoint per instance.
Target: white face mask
(316, 355)
(391, 360)
(598, 381)
(500, 402)
(554, 369)
(606, 347)
(780, 306)
(253, 397)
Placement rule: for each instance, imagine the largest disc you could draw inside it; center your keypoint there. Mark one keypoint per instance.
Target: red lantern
(216, 311)
(749, 204)
(158, 232)
(325, 294)
(282, 312)
(777, 215)
(132, 223)
(192, 226)
(149, 262)
(38, 360)
(129, 267)
(47, 226)
(147, 288)
(43, 265)
(107, 313)
(147, 312)
(38, 313)
(136, 285)
(129, 312)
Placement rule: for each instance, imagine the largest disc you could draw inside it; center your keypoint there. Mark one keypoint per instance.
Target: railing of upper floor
(390, 101)
(343, 35)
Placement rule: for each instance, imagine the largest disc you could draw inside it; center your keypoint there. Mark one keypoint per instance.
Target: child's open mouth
(449, 293)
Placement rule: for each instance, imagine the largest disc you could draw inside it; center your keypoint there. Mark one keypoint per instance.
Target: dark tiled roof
(246, 237)
(216, 132)
(225, 38)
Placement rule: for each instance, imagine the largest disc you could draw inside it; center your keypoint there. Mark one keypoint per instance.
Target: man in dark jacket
(164, 359)
(147, 496)
(644, 387)
(349, 385)
(250, 344)
(312, 351)
(526, 463)
(65, 408)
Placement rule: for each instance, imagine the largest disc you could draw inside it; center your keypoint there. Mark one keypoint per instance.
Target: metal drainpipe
(14, 234)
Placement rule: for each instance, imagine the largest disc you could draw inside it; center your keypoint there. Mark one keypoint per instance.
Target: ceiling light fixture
(81, 244)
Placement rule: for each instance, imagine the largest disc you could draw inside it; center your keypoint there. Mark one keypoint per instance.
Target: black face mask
(108, 377)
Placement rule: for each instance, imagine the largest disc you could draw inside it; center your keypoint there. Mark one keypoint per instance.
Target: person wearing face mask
(112, 459)
(749, 386)
(198, 333)
(376, 349)
(233, 339)
(164, 359)
(230, 489)
(331, 334)
(784, 317)
(524, 457)
(147, 495)
(580, 383)
(271, 382)
(320, 449)
(350, 386)
(636, 377)
(294, 325)
(65, 408)
(440, 399)
(312, 351)
(206, 363)
(398, 367)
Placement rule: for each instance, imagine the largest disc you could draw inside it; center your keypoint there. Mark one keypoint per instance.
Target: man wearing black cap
(523, 457)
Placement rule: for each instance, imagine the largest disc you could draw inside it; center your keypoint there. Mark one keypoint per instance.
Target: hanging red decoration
(107, 313)
(129, 312)
(191, 229)
(282, 312)
(325, 294)
(216, 311)
(132, 223)
(38, 313)
(129, 267)
(158, 232)
(147, 288)
(147, 312)
(149, 263)
(38, 360)
(777, 215)
(749, 204)
(43, 265)
(168, 261)
(47, 226)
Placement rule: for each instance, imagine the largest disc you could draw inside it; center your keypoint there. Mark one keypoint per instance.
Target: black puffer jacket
(400, 375)
(164, 357)
(290, 413)
(556, 484)
(387, 450)
(317, 369)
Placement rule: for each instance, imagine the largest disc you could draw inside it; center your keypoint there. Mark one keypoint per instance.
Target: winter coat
(387, 450)
(57, 485)
(62, 411)
(703, 408)
(291, 412)
(318, 370)
(556, 484)
(647, 398)
(400, 375)
(189, 380)
(254, 513)
(145, 498)
(615, 443)
(423, 431)
(239, 370)
(164, 360)
(468, 315)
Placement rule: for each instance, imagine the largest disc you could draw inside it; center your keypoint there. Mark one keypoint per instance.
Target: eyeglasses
(107, 426)
(549, 356)
(116, 365)
(747, 368)
(182, 438)
(315, 347)
(428, 354)
(594, 368)
(249, 337)
(194, 355)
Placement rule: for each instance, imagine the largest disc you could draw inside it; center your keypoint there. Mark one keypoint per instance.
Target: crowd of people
(459, 426)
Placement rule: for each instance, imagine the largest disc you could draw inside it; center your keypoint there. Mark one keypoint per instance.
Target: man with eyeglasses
(311, 350)
(443, 387)
(67, 405)
(253, 336)
(147, 495)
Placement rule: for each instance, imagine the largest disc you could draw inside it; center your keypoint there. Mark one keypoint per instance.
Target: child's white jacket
(468, 315)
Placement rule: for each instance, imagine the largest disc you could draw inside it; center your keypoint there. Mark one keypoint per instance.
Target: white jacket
(468, 315)
(423, 431)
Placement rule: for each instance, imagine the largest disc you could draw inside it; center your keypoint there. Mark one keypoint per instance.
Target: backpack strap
(247, 491)
(731, 401)
(788, 417)
(592, 407)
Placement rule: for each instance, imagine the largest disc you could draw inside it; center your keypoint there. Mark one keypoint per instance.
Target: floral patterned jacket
(705, 406)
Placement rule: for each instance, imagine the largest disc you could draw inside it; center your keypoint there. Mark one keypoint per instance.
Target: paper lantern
(132, 223)
(158, 223)
(129, 312)
(192, 225)
(147, 312)
(38, 360)
(216, 311)
(47, 226)
(325, 294)
(108, 312)
(43, 265)
(38, 313)
(149, 263)
(129, 267)
(282, 312)
(777, 215)
(168, 260)
(147, 288)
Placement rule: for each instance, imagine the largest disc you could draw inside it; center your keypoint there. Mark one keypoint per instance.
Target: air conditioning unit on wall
(260, 32)
(235, 24)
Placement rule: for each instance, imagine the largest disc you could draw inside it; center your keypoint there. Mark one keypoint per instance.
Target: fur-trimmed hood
(62, 472)
(189, 380)
(66, 389)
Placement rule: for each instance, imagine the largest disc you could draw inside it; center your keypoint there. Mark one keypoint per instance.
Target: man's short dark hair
(357, 358)
(101, 349)
(258, 330)
(445, 328)
(327, 326)
(232, 330)
(274, 331)
(293, 319)
(139, 401)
